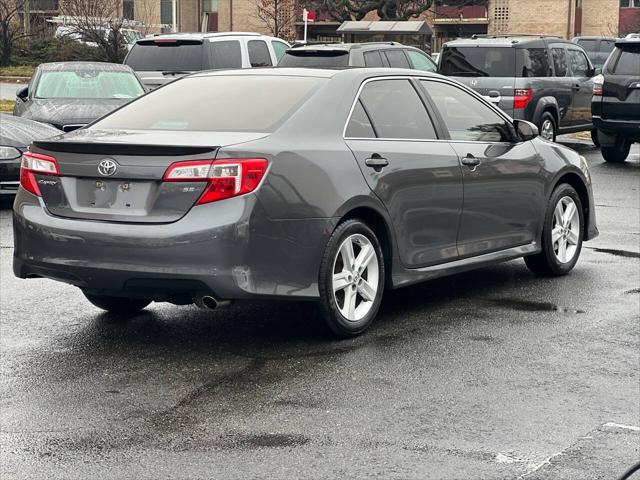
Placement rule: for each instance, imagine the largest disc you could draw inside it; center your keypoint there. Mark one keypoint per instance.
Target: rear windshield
(627, 62)
(149, 56)
(240, 103)
(308, 58)
(478, 62)
(88, 84)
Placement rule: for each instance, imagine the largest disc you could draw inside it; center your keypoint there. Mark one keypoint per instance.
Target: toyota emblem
(107, 167)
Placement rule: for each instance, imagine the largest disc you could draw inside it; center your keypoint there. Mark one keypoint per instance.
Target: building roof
(415, 27)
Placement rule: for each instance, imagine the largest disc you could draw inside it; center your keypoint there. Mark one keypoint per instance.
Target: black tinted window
(478, 62)
(628, 61)
(466, 117)
(318, 58)
(222, 103)
(396, 110)
(372, 59)
(559, 61)
(578, 63)
(166, 55)
(225, 54)
(259, 53)
(359, 124)
(397, 59)
(534, 62)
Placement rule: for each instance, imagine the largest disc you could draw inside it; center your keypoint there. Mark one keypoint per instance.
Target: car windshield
(478, 62)
(88, 84)
(315, 58)
(236, 103)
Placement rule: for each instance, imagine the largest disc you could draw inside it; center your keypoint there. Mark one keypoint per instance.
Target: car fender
(546, 103)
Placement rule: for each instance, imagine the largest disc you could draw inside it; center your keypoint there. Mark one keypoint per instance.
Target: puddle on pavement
(617, 253)
(531, 306)
(265, 440)
(633, 290)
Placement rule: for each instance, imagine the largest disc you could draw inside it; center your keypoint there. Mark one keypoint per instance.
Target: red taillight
(522, 97)
(598, 84)
(225, 178)
(35, 163)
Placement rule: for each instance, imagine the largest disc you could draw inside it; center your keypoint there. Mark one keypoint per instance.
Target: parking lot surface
(493, 374)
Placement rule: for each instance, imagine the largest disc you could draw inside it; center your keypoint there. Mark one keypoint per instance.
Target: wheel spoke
(349, 309)
(366, 255)
(348, 257)
(568, 214)
(572, 237)
(367, 291)
(562, 250)
(558, 213)
(556, 234)
(340, 281)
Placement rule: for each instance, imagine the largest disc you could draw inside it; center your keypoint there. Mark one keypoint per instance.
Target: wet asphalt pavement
(493, 374)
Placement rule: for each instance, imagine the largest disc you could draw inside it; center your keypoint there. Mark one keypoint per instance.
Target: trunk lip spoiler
(107, 148)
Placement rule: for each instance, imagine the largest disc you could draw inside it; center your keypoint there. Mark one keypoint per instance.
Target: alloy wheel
(546, 131)
(565, 234)
(355, 277)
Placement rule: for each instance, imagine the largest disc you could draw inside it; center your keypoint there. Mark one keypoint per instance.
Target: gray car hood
(19, 132)
(60, 112)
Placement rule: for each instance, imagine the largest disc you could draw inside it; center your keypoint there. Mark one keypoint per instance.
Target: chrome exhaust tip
(209, 302)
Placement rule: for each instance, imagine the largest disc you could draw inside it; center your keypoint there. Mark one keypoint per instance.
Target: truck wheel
(617, 153)
(120, 305)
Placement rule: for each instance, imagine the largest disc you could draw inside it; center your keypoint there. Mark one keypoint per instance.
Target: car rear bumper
(229, 249)
(630, 128)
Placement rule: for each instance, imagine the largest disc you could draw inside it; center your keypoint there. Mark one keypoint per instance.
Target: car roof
(203, 35)
(504, 40)
(628, 41)
(349, 46)
(351, 72)
(592, 37)
(75, 66)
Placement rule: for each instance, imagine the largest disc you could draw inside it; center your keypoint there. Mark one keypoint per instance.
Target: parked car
(597, 48)
(334, 186)
(435, 57)
(616, 101)
(373, 54)
(545, 80)
(16, 134)
(69, 95)
(163, 58)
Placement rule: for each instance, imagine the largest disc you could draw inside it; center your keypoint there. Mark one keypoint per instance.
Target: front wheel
(121, 305)
(561, 235)
(351, 280)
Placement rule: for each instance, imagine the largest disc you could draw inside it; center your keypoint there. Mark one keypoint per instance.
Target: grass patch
(7, 105)
(17, 71)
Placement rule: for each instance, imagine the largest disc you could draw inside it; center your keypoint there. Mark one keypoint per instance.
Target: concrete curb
(4, 79)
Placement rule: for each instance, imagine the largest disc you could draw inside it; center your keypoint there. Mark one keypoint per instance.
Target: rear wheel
(351, 280)
(561, 235)
(547, 127)
(121, 305)
(594, 138)
(617, 153)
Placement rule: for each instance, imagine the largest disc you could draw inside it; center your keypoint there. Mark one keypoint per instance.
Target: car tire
(121, 305)
(547, 127)
(351, 279)
(617, 153)
(594, 138)
(562, 234)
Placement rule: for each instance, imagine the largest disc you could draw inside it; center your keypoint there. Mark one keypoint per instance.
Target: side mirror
(23, 93)
(597, 71)
(526, 130)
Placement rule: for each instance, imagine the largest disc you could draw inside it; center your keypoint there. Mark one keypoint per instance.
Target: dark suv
(616, 101)
(545, 80)
(373, 54)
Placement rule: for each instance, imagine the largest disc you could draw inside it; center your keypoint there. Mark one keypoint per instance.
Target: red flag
(310, 16)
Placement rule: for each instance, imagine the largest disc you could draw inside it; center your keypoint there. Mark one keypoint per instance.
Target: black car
(373, 54)
(616, 101)
(16, 134)
(598, 48)
(545, 80)
(68, 95)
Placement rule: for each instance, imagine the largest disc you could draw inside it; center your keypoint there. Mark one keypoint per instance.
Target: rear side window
(396, 110)
(533, 62)
(218, 103)
(226, 54)
(397, 59)
(560, 61)
(259, 53)
(315, 58)
(589, 45)
(373, 59)
(627, 61)
(166, 56)
(279, 49)
(578, 63)
(607, 46)
(478, 62)
(421, 61)
(359, 125)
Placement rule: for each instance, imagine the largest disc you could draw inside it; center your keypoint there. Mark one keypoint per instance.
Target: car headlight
(9, 153)
(585, 169)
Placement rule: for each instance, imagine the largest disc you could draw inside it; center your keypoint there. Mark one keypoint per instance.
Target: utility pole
(27, 17)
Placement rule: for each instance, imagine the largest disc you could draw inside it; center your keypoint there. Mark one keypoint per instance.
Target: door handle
(576, 87)
(471, 161)
(376, 162)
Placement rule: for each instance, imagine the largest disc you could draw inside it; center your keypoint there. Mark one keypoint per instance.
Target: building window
(127, 9)
(210, 6)
(166, 12)
(578, 3)
(629, 3)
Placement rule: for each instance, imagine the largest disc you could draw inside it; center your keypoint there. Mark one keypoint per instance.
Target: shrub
(34, 52)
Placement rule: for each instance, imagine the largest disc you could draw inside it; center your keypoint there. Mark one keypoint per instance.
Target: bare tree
(99, 22)
(343, 10)
(10, 28)
(278, 16)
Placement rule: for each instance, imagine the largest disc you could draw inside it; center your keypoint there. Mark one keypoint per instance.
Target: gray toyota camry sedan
(296, 184)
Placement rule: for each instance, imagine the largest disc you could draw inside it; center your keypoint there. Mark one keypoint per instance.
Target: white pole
(174, 16)
(304, 16)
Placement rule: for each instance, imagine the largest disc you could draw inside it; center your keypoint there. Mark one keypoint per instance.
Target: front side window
(607, 46)
(578, 63)
(259, 53)
(225, 54)
(589, 45)
(217, 103)
(396, 111)
(279, 49)
(88, 84)
(421, 61)
(466, 117)
(535, 62)
(560, 61)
